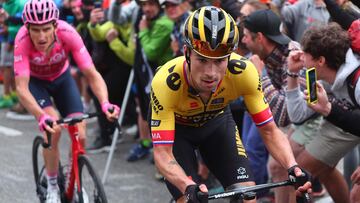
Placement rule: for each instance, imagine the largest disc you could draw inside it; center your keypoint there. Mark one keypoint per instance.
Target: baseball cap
(268, 23)
(171, 1)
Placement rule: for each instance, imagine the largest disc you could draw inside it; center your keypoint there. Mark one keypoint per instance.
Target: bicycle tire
(98, 195)
(38, 173)
(35, 148)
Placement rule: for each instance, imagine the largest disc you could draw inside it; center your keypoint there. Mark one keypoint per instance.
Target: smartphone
(311, 85)
(97, 4)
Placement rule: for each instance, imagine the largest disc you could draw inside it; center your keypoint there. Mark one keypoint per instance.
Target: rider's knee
(82, 137)
(82, 131)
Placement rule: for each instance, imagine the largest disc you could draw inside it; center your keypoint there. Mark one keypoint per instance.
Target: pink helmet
(40, 12)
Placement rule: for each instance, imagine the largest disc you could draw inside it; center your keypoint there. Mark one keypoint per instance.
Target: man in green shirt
(153, 49)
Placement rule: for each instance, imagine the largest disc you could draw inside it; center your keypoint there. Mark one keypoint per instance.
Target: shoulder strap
(351, 81)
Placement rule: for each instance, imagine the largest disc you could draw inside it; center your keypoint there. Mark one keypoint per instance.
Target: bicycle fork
(76, 151)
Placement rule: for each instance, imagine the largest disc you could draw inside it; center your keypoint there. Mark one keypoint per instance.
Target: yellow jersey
(173, 100)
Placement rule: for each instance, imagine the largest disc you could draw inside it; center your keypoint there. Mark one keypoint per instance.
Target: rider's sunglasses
(204, 48)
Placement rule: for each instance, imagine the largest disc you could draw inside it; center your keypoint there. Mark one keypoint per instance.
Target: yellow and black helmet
(211, 32)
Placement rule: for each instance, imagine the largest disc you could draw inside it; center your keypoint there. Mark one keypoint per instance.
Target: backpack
(351, 82)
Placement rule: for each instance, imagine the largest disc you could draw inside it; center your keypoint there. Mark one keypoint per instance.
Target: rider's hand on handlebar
(302, 193)
(46, 123)
(301, 180)
(196, 194)
(43, 123)
(111, 111)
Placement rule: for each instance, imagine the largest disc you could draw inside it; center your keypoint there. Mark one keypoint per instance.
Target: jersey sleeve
(249, 85)
(21, 55)
(163, 100)
(75, 45)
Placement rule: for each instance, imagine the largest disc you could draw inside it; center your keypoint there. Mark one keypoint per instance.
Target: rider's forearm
(278, 145)
(170, 169)
(97, 84)
(26, 98)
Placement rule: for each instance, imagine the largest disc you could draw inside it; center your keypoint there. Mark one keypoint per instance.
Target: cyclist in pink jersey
(48, 59)
(42, 72)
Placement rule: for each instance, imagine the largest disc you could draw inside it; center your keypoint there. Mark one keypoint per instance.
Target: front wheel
(39, 168)
(40, 172)
(92, 190)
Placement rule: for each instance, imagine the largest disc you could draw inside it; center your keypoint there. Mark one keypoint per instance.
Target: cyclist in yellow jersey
(189, 102)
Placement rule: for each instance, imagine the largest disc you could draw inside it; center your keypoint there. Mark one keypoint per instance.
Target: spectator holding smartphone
(270, 49)
(328, 49)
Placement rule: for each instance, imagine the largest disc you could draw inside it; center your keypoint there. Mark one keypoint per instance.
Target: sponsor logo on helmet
(214, 33)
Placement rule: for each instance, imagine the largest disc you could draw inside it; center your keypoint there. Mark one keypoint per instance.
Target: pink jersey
(28, 61)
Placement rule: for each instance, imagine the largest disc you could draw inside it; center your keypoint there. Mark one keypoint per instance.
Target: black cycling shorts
(221, 149)
(63, 90)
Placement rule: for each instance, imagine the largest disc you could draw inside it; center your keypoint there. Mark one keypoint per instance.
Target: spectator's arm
(347, 120)
(339, 15)
(276, 99)
(297, 108)
(156, 40)
(125, 53)
(98, 32)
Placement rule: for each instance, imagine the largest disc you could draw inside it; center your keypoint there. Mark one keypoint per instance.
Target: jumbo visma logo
(236, 66)
(155, 103)
(173, 80)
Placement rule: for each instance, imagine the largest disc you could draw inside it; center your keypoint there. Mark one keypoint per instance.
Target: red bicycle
(78, 181)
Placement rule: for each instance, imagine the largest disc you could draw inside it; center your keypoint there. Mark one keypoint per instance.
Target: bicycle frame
(76, 150)
(77, 160)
